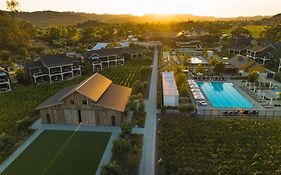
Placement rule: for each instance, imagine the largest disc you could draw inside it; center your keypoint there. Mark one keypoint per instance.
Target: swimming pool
(224, 95)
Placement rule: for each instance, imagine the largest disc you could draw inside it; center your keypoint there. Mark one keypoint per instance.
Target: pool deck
(237, 84)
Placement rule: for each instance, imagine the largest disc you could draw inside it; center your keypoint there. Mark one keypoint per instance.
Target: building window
(84, 102)
(71, 102)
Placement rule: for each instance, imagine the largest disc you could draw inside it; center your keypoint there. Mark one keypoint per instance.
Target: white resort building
(170, 90)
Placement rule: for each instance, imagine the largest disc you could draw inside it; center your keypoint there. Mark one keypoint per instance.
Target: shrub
(253, 76)
(120, 149)
(277, 76)
(184, 90)
(111, 169)
(186, 108)
(126, 128)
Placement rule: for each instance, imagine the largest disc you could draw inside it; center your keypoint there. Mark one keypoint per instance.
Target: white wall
(171, 100)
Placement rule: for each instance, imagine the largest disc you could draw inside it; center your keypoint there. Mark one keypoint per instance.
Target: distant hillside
(71, 18)
(276, 19)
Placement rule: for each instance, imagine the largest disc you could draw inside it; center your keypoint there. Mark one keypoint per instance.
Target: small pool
(224, 95)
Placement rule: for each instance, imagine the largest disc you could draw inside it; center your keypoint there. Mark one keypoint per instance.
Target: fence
(238, 113)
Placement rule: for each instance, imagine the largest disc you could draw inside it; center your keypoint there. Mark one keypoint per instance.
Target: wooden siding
(91, 114)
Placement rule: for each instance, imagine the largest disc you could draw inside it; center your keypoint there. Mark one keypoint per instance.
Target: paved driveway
(148, 155)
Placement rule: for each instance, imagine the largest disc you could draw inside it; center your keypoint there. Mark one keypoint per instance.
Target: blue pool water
(224, 95)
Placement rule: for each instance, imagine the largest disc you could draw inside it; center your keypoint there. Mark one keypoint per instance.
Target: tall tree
(13, 6)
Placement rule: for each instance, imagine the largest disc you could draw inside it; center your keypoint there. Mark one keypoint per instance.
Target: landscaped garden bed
(126, 153)
(218, 146)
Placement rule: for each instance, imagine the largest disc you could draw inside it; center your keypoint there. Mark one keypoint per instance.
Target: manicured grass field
(61, 153)
(219, 146)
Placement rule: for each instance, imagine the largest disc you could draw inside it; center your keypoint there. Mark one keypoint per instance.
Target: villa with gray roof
(5, 83)
(52, 68)
(107, 57)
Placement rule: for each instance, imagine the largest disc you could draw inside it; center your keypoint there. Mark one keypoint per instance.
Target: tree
(120, 149)
(253, 76)
(126, 128)
(184, 90)
(136, 103)
(213, 61)
(186, 108)
(200, 68)
(219, 67)
(13, 6)
(277, 76)
(4, 55)
(240, 31)
(111, 169)
(20, 76)
(180, 79)
(273, 33)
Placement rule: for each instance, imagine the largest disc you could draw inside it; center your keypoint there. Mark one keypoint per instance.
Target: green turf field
(61, 153)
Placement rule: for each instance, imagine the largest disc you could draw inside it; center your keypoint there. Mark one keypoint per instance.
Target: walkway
(147, 166)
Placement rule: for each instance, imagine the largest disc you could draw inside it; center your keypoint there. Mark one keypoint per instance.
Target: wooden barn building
(95, 101)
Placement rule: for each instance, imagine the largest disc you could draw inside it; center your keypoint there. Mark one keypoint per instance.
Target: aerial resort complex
(86, 92)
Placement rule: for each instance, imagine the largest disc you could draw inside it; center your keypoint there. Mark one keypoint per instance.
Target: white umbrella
(270, 103)
(259, 92)
(195, 90)
(197, 93)
(193, 86)
(199, 97)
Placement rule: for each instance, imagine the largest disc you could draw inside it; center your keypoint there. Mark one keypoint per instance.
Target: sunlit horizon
(219, 8)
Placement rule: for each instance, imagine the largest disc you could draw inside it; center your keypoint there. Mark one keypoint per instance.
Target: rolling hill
(72, 18)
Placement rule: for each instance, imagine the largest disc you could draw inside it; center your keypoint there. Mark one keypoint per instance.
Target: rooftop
(56, 60)
(198, 60)
(98, 89)
(169, 84)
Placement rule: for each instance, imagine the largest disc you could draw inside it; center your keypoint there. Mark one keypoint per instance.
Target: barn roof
(115, 97)
(98, 89)
(93, 87)
(56, 99)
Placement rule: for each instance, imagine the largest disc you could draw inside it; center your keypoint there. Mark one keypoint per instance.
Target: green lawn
(219, 146)
(256, 30)
(61, 153)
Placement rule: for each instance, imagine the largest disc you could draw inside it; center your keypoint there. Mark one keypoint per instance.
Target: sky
(217, 8)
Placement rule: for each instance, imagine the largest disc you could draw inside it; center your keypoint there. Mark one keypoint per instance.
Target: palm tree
(13, 6)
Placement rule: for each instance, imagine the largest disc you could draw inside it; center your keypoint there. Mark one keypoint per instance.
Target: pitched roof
(133, 51)
(99, 46)
(93, 87)
(98, 89)
(103, 52)
(34, 64)
(55, 60)
(115, 97)
(56, 99)
(252, 66)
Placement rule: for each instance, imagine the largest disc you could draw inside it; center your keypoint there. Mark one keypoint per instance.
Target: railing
(56, 72)
(3, 80)
(238, 113)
